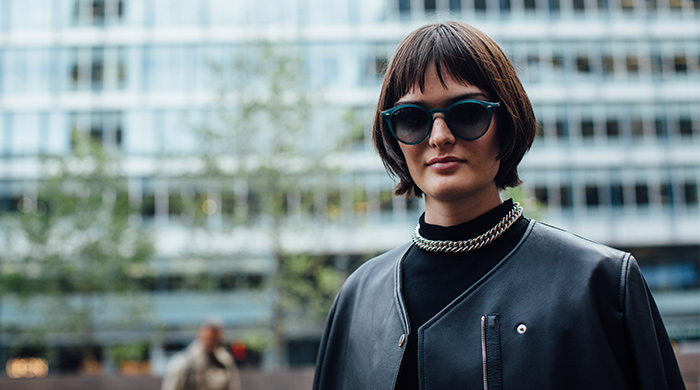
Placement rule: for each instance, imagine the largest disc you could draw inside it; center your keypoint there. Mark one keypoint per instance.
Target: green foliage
(355, 124)
(260, 137)
(128, 352)
(71, 241)
(262, 110)
(309, 284)
(521, 194)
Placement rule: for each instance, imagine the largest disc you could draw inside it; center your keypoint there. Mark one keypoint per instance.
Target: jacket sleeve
(174, 378)
(235, 378)
(650, 348)
(323, 360)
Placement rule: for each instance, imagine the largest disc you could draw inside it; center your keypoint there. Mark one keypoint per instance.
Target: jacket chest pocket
(491, 352)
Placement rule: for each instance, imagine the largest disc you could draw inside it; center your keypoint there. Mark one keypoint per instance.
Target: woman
(482, 298)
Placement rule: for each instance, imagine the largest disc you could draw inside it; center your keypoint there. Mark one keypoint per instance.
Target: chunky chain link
(473, 243)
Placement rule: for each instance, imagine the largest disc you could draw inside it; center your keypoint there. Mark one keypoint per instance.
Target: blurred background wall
(615, 85)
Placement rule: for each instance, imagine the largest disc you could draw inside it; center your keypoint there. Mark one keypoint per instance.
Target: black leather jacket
(558, 312)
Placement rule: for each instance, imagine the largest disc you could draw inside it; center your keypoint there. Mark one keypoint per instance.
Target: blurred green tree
(70, 251)
(259, 142)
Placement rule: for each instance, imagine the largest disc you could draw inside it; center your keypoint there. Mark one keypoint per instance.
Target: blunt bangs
(440, 46)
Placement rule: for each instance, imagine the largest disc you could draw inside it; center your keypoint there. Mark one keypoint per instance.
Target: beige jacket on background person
(193, 369)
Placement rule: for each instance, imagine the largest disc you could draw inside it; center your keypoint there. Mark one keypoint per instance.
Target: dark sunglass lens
(469, 120)
(410, 124)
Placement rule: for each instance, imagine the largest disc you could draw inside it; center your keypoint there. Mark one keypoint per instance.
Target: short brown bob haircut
(470, 57)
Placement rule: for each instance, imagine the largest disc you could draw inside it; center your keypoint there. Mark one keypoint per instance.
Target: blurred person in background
(482, 298)
(204, 365)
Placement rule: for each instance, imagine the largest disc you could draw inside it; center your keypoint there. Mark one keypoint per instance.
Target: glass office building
(615, 85)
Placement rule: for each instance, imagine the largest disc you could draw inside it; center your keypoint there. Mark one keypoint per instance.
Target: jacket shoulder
(562, 242)
(376, 272)
(570, 260)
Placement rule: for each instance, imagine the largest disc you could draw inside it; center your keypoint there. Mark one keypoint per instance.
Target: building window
(680, 64)
(24, 133)
(148, 205)
(632, 63)
(97, 69)
(676, 4)
(333, 204)
(558, 65)
(608, 65)
(587, 128)
(685, 127)
(641, 191)
(540, 134)
(404, 7)
(360, 201)
(176, 204)
(386, 200)
(562, 128)
(104, 128)
(10, 196)
(375, 68)
(254, 203)
(657, 64)
(554, 5)
(228, 203)
(666, 194)
(661, 128)
(97, 12)
(628, 5)
(690, 191)
(541, 194)
(566, 197)
(583, 64)
(534, 67)
(612, 128)
(637, 129)
(592, 195)
(617, 195)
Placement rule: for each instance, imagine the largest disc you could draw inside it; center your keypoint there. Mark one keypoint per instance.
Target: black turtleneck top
(431, 280)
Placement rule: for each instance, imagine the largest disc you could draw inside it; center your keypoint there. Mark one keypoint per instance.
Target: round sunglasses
(467, 119)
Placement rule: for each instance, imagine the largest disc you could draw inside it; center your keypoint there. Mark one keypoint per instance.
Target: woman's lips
(442, 164)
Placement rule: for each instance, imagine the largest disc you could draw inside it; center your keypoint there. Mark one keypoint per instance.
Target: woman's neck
(453, 212)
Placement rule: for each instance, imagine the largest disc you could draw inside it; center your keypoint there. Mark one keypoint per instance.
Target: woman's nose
(440, 135)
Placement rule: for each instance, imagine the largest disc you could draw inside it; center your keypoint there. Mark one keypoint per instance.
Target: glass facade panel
(225, 12)
(25, 134)
(141, 136)
(178, 131)
(57, 134)
(177, 12)
(25, 71)
(4, 133)
(172, 68)
(29, 14)
(690, 192)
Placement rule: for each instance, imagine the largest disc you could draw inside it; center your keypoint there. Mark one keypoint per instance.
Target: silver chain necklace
(472, 243)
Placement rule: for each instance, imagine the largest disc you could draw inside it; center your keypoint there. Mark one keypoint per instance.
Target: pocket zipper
(491, 352)
(483, 353)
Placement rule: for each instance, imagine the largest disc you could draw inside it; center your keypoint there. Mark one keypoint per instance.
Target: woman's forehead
(438, 81)
(446, 74)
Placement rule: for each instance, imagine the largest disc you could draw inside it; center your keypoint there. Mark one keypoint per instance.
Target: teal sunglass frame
(390, 115)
